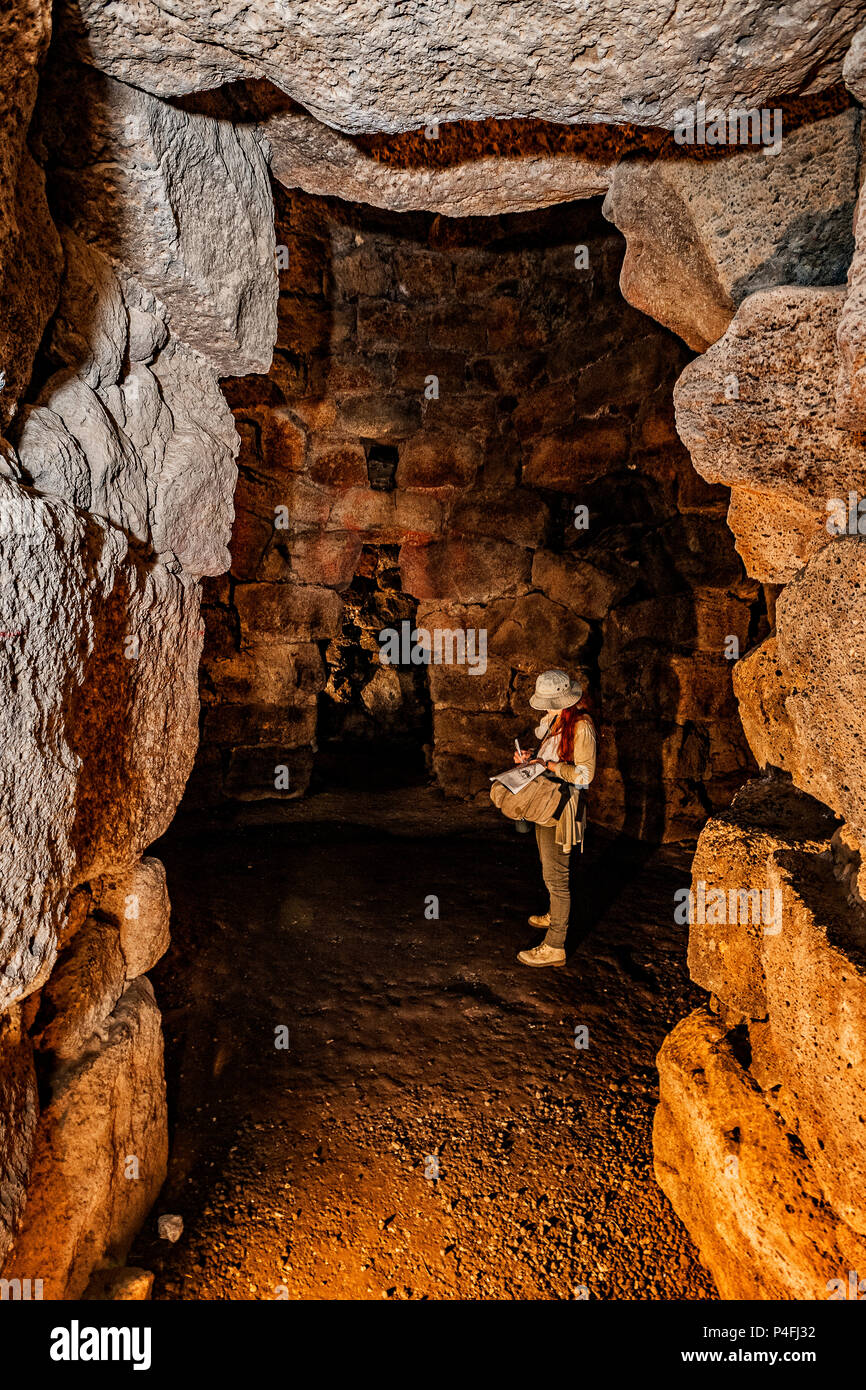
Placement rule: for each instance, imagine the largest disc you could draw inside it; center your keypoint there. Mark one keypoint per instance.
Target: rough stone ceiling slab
(467, 170)
(364, 65)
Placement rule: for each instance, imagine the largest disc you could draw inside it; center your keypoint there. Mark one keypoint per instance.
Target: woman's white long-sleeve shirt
(571, 826)
(581, 770)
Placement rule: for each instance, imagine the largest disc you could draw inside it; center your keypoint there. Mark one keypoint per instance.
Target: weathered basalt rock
(396, 69)
(178, 199)
(100, 1154)
(739, 1178)
(816, 1001)
(136, 901)
(736, 853)
(102, 652)
(704, 233)
(466, 169)
(149, 445)
(19, 1114)
(30, 254)
(801, 693)
(757, 412)
(851, 334)
(84, 987)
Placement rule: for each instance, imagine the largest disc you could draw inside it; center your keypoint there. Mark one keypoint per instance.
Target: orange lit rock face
(757, 412)
(759, 1136)
(738, 850)
(452, 392)
(30, 254)
(19, 1115)
(801, 697)
(771, 410)
(739, 1177)
(84, 1202)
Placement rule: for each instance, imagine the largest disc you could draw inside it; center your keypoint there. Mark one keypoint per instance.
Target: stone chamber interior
(282, 370)
(466, 427)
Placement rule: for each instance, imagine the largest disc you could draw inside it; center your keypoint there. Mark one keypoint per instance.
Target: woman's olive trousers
(555, 864)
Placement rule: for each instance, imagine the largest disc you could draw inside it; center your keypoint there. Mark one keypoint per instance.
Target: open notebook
(516, 778)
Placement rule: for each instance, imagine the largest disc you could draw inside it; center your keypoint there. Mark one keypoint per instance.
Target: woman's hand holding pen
(520, 756)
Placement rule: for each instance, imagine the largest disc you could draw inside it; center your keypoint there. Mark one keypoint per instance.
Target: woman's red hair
(567, 723)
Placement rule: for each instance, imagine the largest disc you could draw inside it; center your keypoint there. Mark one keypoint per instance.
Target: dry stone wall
(456, 391)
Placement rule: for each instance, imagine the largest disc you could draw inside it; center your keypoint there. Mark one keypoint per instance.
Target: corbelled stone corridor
(366, 373)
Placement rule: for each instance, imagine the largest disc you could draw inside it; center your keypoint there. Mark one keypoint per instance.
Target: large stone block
(463, 776)
(328, 559)
(776, 533)
(136, 900)
(468, 571)
(757, 411)
(677, 688)
(519, 518)
(372, 69)
(816, 997)
(266, 673)
(287, 612)
(100, 1154)
(703, 233)
(190, 495)
(801, 694)
(851, 384)
(459, 687)
(701, 620)
(735, 853)
(567, 461)
(179, 199)
(19, 1113)
(532, 633)
(31, 261)
(233, 726)
(474, 171)
(739, 1178)
(100, 671)
(84, 987)
(438, 459)
(253, 773)
(487, 739)
(30, 253)
(148, 445)
(590, 587)
(759, 686)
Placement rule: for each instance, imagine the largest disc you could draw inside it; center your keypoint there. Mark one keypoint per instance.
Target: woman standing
(568, 749)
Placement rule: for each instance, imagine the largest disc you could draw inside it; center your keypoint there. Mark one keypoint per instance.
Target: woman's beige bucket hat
(555, 690)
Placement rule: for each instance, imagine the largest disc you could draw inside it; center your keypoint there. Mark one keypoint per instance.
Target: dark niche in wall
(375, 725)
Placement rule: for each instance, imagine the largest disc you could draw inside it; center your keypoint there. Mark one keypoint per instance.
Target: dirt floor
(416, 1046)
